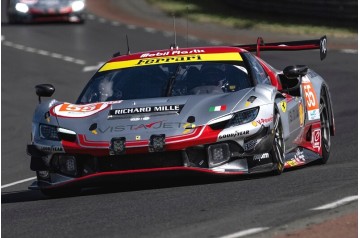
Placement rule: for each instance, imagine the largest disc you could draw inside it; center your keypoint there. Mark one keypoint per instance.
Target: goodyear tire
(278, 149)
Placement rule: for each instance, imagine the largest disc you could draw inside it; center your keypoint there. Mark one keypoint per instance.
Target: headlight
(48, 132)
(21, 7)
(243, 117)
(77, 6)
(235, 119)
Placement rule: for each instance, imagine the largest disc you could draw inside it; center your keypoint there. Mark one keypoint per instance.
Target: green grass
(212, 11)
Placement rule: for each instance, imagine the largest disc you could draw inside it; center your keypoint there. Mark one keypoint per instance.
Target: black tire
(278, 149)
(61, 192)
(325, 130)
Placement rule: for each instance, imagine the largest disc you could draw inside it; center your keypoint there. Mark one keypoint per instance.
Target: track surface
(61, 54)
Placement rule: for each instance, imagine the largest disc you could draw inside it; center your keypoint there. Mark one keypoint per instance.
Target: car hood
(141, 118)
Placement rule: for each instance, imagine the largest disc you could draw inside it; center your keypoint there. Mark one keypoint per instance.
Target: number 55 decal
(311, 102)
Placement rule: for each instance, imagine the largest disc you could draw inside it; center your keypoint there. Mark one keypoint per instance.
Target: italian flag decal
(217, 108)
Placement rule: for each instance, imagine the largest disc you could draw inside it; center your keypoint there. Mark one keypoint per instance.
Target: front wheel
(278, 148)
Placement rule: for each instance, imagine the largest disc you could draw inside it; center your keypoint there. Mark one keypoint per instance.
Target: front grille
(140, 161)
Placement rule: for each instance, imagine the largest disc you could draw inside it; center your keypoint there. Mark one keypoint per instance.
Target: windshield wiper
(172, 81)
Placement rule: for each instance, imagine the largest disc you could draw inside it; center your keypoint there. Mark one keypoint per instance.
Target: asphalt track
(64, 55)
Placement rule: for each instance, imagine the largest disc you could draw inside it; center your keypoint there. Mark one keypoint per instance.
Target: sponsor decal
(314, 114)
(158, 125)
(174, 52)
(261, 156)
(217, 108)
(299, 156)
(46, 148)
(301, 114)
(265, 120)
(139, 118)
(188, 58)
(250, 145)
(311, 102)
(250, 100)
(139, 110)
(299, 159)
(293, 114)
(137, 137)
(283, 106)
(188, 127)
(254, 123)
(316, 139)
(235, 134)
(292, 163)
(232, 56)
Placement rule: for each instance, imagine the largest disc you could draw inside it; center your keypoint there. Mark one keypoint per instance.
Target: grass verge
(213, 11)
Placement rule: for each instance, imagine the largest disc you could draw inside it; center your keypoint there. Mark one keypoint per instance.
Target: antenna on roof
(127, 43)
(174, 45)
(187, 25)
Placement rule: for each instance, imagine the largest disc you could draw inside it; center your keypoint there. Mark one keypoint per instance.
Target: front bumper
(214, 158)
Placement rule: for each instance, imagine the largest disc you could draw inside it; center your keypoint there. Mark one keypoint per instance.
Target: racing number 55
(311, 102)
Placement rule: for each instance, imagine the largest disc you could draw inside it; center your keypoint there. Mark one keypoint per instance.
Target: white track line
(17, 182)
(349, 51)
(337, 203)
(42, 52)
(245, 232)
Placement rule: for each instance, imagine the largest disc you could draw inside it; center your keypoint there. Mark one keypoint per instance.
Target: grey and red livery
(214, 110)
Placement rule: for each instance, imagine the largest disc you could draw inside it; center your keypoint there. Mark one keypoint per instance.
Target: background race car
(45, 10)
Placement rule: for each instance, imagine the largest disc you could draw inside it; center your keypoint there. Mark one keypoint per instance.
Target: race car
(25, 11)
(204, 110)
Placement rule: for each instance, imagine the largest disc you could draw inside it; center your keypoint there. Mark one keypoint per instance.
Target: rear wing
(290, 45)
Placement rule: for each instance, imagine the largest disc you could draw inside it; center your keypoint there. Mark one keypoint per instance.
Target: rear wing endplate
(290, 45)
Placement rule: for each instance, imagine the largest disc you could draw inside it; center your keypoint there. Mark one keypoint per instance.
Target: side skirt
(300, 156)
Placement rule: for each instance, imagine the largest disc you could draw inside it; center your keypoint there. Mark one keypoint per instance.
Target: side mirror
(44, 90)
(294, 71)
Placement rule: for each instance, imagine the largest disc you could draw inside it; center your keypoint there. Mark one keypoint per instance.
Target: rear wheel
(278, 149)
(325, 130)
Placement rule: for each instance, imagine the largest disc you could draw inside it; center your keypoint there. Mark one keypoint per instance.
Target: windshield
(166, 80)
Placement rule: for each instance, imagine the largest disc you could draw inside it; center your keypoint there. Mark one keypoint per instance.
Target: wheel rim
(325, 126)
(279, 140)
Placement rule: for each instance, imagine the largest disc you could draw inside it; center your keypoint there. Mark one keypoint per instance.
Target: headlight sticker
(80, 111)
